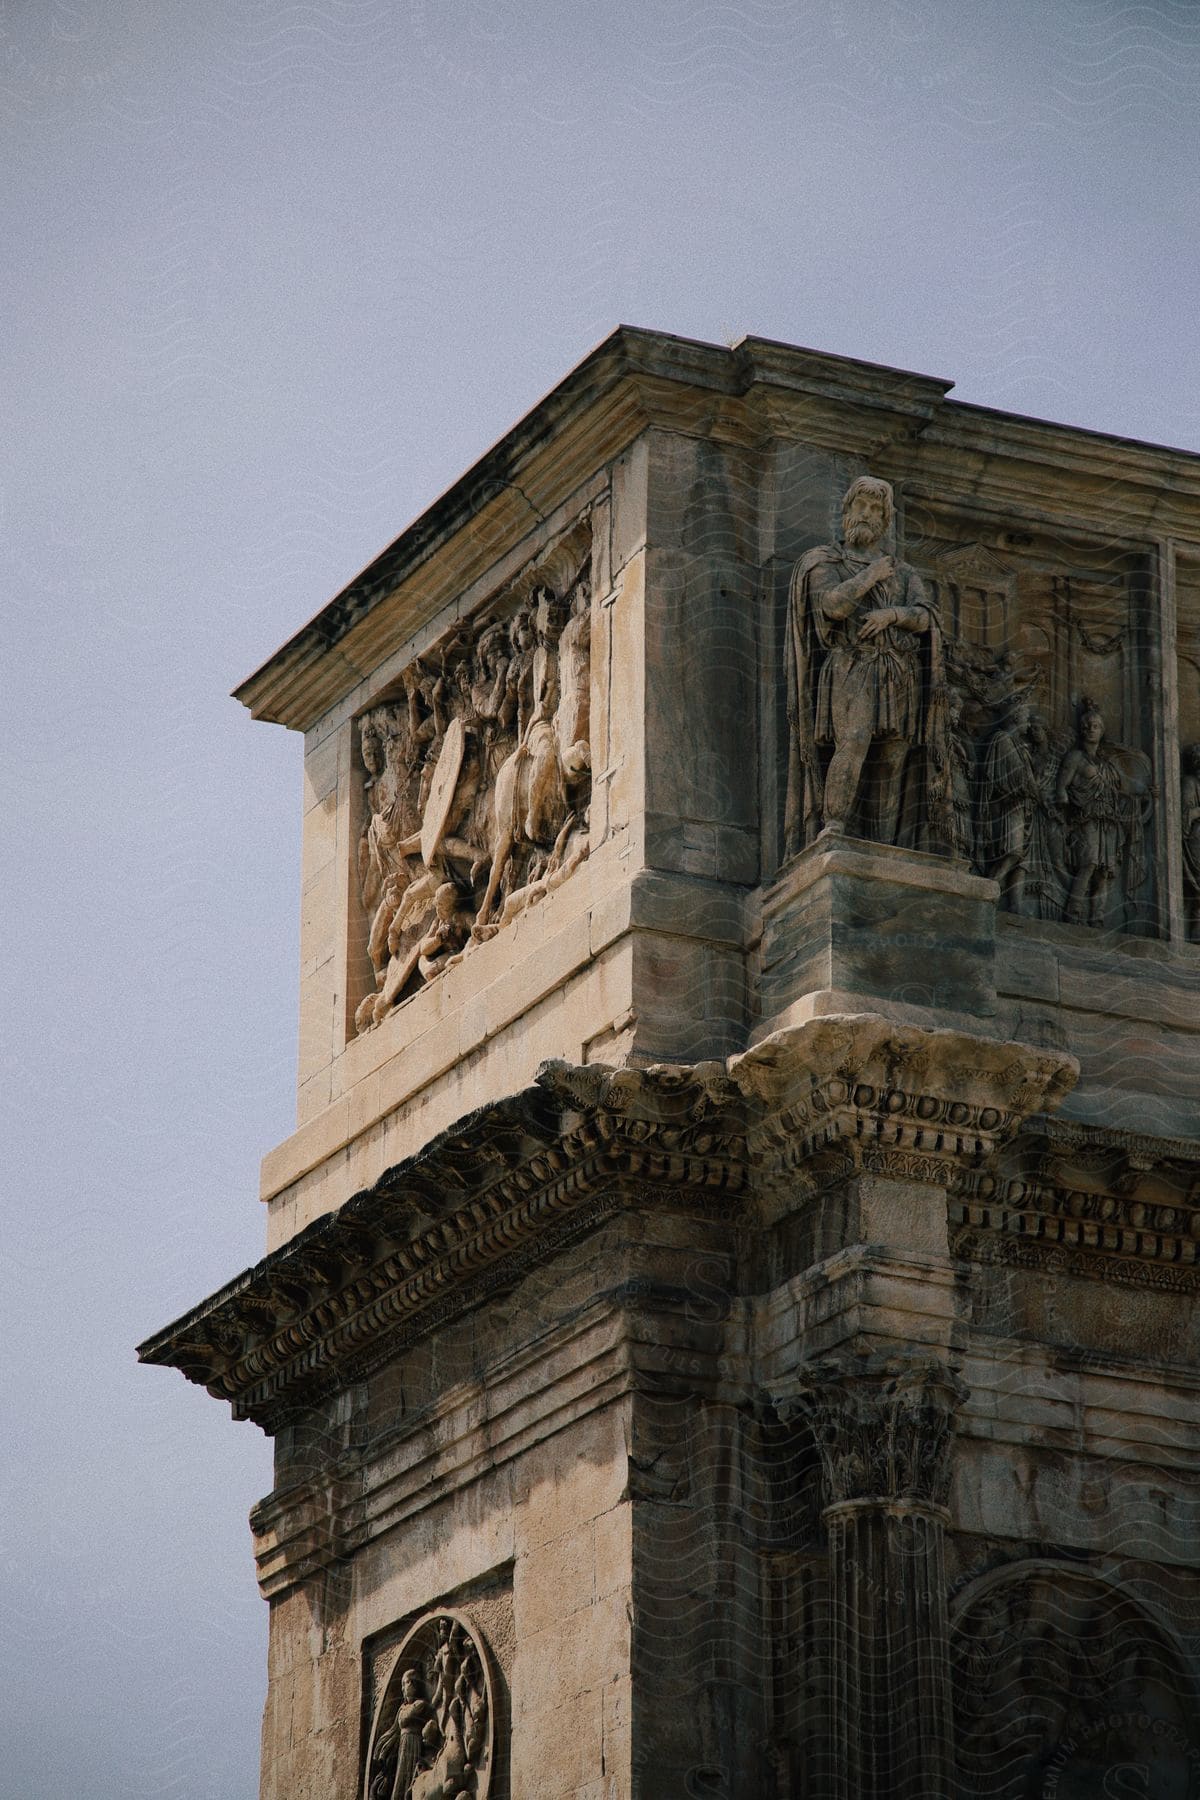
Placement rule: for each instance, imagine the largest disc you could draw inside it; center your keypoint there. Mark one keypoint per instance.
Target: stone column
(884, 1427)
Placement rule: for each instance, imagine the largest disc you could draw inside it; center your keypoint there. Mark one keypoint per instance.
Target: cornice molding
(510, 1186)
(753, 393)
(857, 1093)
(516, 1182)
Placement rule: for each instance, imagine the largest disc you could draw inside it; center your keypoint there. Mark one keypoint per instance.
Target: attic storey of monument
(744, 1211)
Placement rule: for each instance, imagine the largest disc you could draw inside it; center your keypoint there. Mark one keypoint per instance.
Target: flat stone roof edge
(631, 352)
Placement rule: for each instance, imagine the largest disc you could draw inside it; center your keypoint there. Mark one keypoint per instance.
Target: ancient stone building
(728, 1321)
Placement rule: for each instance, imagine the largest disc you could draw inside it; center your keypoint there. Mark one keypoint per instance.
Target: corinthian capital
(884, 1426)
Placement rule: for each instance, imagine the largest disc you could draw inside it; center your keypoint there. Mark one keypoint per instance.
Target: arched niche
(1066, 1687)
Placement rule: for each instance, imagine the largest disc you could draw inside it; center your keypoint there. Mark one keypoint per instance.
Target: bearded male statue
(866, 687)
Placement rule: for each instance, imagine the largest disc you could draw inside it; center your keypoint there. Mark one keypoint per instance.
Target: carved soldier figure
(865, 676)
(1010, 794)
(1189, 794)
(961, 756)
(571, 720)
(1095, 785)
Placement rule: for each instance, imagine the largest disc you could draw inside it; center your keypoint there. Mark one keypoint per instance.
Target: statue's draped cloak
(897, 680)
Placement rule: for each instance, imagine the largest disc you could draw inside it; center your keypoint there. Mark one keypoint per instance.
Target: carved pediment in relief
(477, 777)
(979, 591)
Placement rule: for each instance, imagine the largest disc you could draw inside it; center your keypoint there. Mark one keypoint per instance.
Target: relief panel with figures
(992, 704)
(1187, 592)
(432, 1737)
(476, 779)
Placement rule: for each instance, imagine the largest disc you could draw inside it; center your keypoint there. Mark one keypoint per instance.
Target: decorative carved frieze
(477, 778)
(1111, 1205)
(517, 1181)
(433, 1733)
(912, 717)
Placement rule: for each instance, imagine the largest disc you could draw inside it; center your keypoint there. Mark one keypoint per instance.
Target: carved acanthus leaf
(884, 1426)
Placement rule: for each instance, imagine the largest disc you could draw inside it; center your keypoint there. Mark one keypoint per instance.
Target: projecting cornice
(518, 1180)
(633, 380)
(509, 1186)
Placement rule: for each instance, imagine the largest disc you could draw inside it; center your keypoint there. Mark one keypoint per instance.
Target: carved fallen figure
(477, 788)
(866, 687)
(1103, 796)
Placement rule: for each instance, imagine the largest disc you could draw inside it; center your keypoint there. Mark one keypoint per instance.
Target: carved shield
(440, 803)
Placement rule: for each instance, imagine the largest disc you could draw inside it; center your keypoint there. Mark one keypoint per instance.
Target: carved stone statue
(1102, 794)
(865, 686)
(432, 1735)
(1189, 793)
(1009, 797)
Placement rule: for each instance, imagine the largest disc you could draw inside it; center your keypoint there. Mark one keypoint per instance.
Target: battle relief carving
(432, 1737)
(477, 779)
(918, 718)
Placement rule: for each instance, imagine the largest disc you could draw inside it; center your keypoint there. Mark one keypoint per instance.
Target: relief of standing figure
(400, 1750)
(1103, 796)
(1010, 796)
(1189, 794)
(865, 677)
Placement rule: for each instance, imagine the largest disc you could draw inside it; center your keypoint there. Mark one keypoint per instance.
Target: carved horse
(529, 805)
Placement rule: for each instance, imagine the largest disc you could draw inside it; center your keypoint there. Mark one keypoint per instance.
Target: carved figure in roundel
(866, 686)
(433, 1735)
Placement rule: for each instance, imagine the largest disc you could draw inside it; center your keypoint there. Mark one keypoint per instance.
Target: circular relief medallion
(432, 1735)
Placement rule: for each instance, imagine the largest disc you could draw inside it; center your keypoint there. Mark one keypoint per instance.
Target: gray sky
(274, 274)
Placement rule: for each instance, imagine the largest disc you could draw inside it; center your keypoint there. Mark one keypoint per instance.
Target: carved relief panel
(1063, 1687)
(1053, 709)
(989, 697)
(1187, 594)
(476, 779)
(433, 1729)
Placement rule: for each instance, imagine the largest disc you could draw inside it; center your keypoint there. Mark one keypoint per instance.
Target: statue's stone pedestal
(849, 924)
